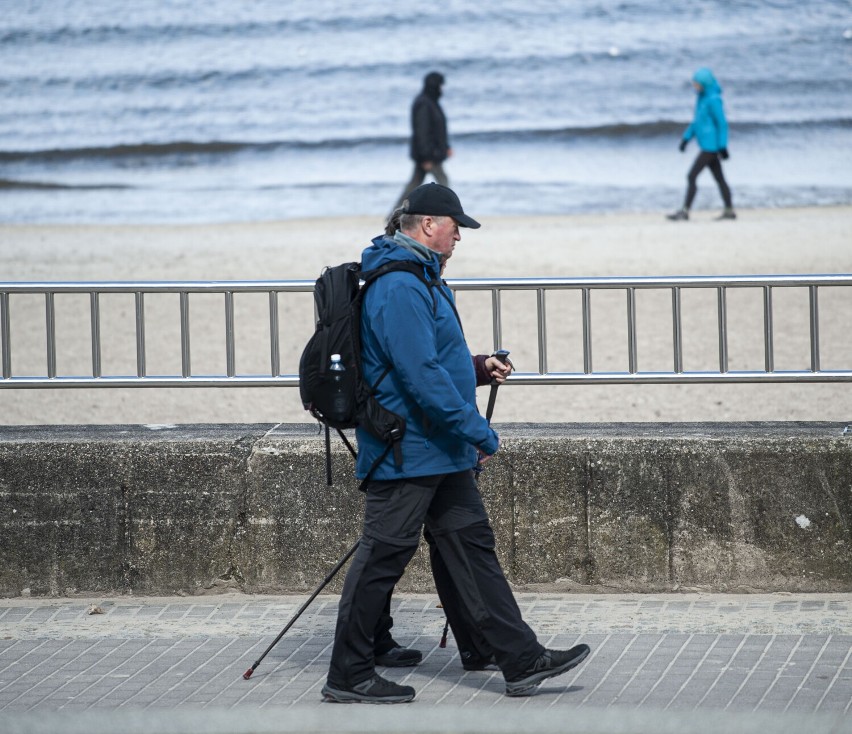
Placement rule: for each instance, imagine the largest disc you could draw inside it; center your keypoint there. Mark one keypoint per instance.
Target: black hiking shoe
(681, 215)
(399, 657)
(472, 661)
(372, 690)
(549, 664)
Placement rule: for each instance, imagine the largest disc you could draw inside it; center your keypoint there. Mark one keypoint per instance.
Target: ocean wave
(218, 148)
(12, 184)
(228, 28)
(23, 80)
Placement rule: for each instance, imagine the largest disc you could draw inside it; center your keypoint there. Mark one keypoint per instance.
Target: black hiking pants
(419, 176)
(450, 507)
(469, 640)
(711, 161)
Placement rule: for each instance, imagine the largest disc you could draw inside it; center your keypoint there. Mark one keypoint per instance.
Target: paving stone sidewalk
(674, 662)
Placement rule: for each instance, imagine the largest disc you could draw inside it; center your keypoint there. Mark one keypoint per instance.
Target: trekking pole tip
(248, 673)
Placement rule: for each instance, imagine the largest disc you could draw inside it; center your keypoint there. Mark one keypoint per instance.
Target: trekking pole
(304, 606)
(503, 356)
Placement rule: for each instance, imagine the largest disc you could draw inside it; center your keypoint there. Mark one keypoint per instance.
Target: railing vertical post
(230, 359)
(94, 302)
(542, 333)
(50, 323)
(814, 309)
(723, 329)
(587, 331)
(5, 336)
(496, 319)
(274, 348)
(140, 334)
(769, 350)
(677, 331)
(186, 367)
(631, 331)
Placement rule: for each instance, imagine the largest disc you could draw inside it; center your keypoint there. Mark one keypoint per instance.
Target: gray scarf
(422, 252)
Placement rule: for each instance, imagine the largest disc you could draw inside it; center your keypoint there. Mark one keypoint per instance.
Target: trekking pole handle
(502, 356)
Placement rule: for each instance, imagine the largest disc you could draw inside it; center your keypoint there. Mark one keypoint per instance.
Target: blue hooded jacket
(414, 328)
(709, 126)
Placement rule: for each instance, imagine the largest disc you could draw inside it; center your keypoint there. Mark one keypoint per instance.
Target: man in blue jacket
(710, 128)
(414, 329)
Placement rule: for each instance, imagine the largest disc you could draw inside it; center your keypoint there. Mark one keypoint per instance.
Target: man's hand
(497, 369)
(426, 165)
(682, 145)
(483, 457)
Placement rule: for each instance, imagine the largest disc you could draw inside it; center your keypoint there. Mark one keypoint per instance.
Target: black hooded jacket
(428, 124)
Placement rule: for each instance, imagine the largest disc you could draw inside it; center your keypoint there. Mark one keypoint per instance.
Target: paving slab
(665, 662)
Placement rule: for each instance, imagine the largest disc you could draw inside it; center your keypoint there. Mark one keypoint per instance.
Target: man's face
(444, 235)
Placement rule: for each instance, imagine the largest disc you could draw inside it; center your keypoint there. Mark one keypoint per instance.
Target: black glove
(723, 154)
(683, 145)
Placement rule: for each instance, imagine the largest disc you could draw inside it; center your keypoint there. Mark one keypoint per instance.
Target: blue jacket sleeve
(406, 330)
(717, 112)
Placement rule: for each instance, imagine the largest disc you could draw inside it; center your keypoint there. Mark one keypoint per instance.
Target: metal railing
(497, 287)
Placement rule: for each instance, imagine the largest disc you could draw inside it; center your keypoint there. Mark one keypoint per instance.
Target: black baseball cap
(438, 201)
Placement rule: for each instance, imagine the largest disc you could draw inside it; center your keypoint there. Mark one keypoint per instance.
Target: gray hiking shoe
(727, 214)
(681, 215)
(549, 664)
(372, 690)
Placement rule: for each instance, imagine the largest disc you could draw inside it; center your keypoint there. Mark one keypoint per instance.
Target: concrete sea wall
(623, 507)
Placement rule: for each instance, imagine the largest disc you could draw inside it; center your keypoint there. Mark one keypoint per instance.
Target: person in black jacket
(430, 145)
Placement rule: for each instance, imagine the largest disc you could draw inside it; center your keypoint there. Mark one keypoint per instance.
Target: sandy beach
(765, 242)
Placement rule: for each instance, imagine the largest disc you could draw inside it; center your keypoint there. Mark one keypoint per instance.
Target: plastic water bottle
(339, 407)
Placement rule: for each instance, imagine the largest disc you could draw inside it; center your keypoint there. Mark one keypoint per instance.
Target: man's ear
(426, 224)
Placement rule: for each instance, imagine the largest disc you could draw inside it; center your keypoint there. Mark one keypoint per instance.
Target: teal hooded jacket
(709, 126)
(413, 329)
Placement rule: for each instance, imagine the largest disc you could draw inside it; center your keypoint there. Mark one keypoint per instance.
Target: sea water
(236, 110)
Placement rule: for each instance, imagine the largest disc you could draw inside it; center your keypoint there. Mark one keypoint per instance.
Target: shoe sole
(332, 695)
(528, 685)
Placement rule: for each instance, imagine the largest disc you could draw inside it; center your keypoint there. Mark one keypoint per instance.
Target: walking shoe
(681, 215)
(472, 661)
(372, 690)
(399, 657)
(727, 214)
(549, 664)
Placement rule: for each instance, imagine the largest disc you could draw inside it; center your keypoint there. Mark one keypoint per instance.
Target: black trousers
(450, 507)
(711, 161)
(419, 176)
(469, 640)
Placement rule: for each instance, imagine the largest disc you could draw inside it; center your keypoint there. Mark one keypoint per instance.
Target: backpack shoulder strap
(408, 266)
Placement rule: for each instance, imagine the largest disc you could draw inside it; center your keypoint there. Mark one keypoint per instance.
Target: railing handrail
(540, 285)
(503, 283)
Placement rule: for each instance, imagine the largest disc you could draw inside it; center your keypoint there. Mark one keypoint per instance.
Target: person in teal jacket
(710, 129)
(414, 329)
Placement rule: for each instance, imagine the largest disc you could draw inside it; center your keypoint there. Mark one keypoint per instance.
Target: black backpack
(342, 400)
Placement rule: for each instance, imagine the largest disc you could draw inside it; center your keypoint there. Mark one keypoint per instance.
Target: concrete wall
(640, 507)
